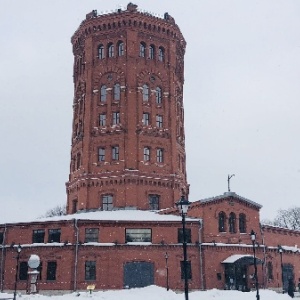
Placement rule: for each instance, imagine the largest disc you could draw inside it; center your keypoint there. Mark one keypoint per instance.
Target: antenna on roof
(228, 180)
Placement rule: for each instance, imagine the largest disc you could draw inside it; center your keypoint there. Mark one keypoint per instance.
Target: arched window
(270, 270)
(151, 52)
(117, 92)
(110, 50)
(161, 54)
(101, 53)
(222, 221)
(242, 223)
(142, 49)
(158, 95)
(107, 202)
(120, 48)
(146, 153)
(145, 92)
(103, 93)
(232, 222)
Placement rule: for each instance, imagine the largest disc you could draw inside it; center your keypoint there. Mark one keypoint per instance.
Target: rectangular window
(138, 235)
(107, 202)
(188, 235)
(54, 235)
(51, 270)
(154, 202)
(159, 155)
(23, 270)
(115, 153)
(74, 206)
(91, 235)
(102, 120)
(146, 119)
(146, 153)
(101, 154)
(1, 237)
(90, 270)
(159, 121)
(38, 236)
(188, 269)
(116, 118)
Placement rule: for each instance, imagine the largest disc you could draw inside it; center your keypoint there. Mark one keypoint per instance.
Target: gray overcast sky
(241, 95)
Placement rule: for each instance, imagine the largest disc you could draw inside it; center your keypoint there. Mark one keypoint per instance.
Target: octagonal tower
(128, 145)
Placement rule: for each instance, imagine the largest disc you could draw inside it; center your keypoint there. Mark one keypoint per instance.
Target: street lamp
(19, 249)
(253, 237)
(167, 270)
(183, 206)
(280, 250)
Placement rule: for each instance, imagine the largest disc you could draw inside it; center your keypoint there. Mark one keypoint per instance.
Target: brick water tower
(128, 143)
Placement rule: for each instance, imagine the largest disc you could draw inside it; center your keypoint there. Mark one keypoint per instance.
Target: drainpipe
(200, 254)
(2, 257)
(264, 263)
(76, 254)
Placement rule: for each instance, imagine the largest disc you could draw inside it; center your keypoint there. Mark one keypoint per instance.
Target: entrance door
(236, 277)
(138, 274)
(288, 273)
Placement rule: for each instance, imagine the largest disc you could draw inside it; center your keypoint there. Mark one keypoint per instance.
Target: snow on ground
(156, 293)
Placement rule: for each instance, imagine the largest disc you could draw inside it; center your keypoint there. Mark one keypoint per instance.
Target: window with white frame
(146, 153)
(120, 48)
(102, 119)
(116, 118)
(115, 153)
(101, 53)
(138, 235)
(159, 155)
(101, 154)
(161, 54)
(158, 95)
(103, 93)
(142, 49)
(151, 52)
(145, 92)
(110, 50)
(159, 121)
(146, 119)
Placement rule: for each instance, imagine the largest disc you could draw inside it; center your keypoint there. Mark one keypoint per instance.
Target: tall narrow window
(159, 155)
(161, 54)
(115, 153)
(188, 269)
(232, 223)
(116, 118)
(146, 119)
(111, 50)
(242, 223)
(1, 237)
(74, 206)
(120, 48)
(222, 220)
(101, 154)
(51, 270)
(101, 53)
(90, 270)
(102, 120)
(117, 92)
(103, 93)
(107, 202)
(270, 270)
(78, 161)
(146, 153)
(159, 121)
(142, 49)
(23, 271)
(145, 92)
(154, 202)
(151, 52)
(158, 95)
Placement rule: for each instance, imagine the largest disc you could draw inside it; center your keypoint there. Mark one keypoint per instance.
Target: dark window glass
(117, 92)
(107, 202)
(270, 270)
(158, 95)
(142, 49)
(54, 235)
(111, 50)
(90, 270)
(188, 235)
(151, 52)
(38, 236)
(74, 206)
(188, 269)
(242, 223)
(51, 270)
(146, 153)
(91, 235)
(101, 154)
(222, 219)
(232, 222)
(1, 237)
(161, 54)
(115, 153)
(145, 92)
(23, 270)
(103, 94)
(101, 53)
(154, 202)
(120, 49)
(138, 235)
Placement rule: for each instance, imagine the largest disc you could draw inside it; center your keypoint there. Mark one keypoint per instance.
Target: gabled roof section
(229, 195)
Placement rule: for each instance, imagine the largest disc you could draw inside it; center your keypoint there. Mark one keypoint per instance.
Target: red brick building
(127, 171)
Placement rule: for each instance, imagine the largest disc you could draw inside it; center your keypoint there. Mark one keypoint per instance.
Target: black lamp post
(183, 206)
(167, 270)
(253, 237)
(280, 250)
(19, 249)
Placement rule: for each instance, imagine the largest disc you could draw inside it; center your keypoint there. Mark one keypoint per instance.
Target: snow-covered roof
(245, 257)
(228, 195)
(117, 215)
